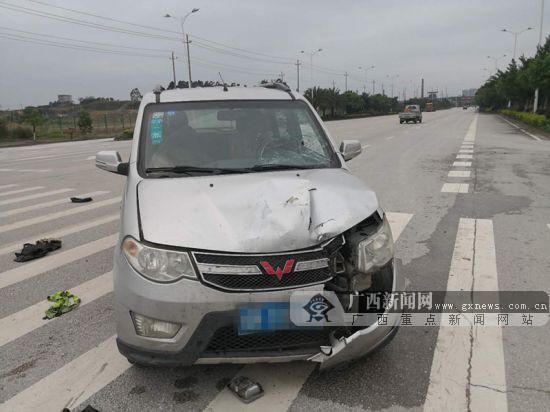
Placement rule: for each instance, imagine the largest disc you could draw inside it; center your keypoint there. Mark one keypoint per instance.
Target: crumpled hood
(253, 213)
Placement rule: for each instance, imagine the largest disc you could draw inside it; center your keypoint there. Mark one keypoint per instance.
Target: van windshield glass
(232, 136)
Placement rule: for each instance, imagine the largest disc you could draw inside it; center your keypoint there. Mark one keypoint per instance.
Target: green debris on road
(63, 302)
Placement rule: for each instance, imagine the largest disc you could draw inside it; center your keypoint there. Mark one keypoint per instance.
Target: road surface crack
(471, 354)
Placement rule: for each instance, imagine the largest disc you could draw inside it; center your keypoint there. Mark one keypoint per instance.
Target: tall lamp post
(536, 100)
(496, 59)
(392, 78)
(311, 54)
(365, 69)
(185, 37)
(516, 34)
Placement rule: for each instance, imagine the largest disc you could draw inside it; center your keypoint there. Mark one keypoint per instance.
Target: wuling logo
(289, 264)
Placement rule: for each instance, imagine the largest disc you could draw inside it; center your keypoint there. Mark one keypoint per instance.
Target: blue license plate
(264, 317)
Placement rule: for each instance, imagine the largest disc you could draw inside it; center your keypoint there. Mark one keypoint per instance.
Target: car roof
(217, 93)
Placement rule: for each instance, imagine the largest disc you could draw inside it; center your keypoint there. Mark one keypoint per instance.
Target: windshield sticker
(156, 128)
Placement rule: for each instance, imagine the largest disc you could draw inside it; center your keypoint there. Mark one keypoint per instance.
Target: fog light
(154, 328)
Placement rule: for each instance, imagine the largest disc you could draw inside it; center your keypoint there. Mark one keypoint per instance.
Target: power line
(73, 46)
(85, 23)
(104, 17)
(82, 41)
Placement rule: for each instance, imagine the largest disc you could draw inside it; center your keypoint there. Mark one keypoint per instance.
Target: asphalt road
(485, 229)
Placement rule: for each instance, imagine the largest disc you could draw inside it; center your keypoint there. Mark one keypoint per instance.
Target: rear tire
(420, 120)
(400, 121)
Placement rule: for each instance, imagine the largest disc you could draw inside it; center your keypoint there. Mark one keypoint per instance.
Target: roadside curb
(531, 135)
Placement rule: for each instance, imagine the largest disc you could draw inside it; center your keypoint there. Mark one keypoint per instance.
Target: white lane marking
(472, 130)
(462, 164)
(464, 156)
(469, 360)
(449, 374)
(398, 222)
(455, 188)
(34, 196)
(466, 151)
(459, 173)
(57, 215)
(548, 225)
(389, 137)
(56, 202)
(7, 186)
(30, 318)
(282, 382)
(519, 128)
(73, 383)
(90, 158)
(37, 267)
(365, 146)
(15, 192)
(47, 157)
(69, 230)
(26, 170)
(488, 377)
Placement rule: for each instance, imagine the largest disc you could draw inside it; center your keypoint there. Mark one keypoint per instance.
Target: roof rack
(279, 86)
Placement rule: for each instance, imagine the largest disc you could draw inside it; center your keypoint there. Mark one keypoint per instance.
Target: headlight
(159, 265)
(376, 250)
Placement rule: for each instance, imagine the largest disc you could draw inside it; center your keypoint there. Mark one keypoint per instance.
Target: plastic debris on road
(63, 302)
(81, 199)
(34, 251)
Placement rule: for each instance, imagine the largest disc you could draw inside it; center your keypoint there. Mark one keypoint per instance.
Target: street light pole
(366, 69)
(536, 101)
(311, 54)
(516, 34)
(185, 38)
(392, 78)
(298, 63)
(496, 59)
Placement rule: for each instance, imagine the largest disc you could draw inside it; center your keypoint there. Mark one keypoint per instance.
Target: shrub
(127, 134)
(21, 133)
(84, 122)
(3, 129)
(533, 119)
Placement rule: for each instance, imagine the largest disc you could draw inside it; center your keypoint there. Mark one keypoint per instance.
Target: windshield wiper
(276, 166)
(189, 170)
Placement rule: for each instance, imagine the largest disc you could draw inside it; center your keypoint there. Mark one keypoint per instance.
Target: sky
(446, 42)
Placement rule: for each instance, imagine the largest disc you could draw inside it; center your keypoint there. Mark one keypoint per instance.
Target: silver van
(235, 200)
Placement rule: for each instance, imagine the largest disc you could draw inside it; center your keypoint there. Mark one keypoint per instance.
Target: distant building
(64, 98)
(469, 92)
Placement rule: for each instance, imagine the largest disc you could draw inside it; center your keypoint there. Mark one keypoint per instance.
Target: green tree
(33, 117)
(85, 122)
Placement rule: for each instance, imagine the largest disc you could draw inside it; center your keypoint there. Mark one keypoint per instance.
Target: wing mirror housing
(350, 149)
(111, 161)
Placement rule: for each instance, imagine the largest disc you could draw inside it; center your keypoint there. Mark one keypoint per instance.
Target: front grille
(263, 281)
(226, 339)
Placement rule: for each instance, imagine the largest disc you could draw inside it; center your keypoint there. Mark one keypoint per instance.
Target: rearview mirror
(350, 149)
(110, 161)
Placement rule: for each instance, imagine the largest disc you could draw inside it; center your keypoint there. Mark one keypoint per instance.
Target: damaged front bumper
(203, 311)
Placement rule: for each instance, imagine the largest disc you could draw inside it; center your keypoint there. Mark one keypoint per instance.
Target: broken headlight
(374, 251)
(159, 265)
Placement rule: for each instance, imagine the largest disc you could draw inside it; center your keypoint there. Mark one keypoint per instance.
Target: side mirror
(110, 161)
(350, 149)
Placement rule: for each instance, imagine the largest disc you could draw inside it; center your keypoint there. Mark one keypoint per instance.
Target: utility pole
(297, 64)
(346, 81)
(173, 69)
(373, 82)
(536, 101)
(333, 84)
(188, 59)
(422, 90)
(282, 76)
(185, 37)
